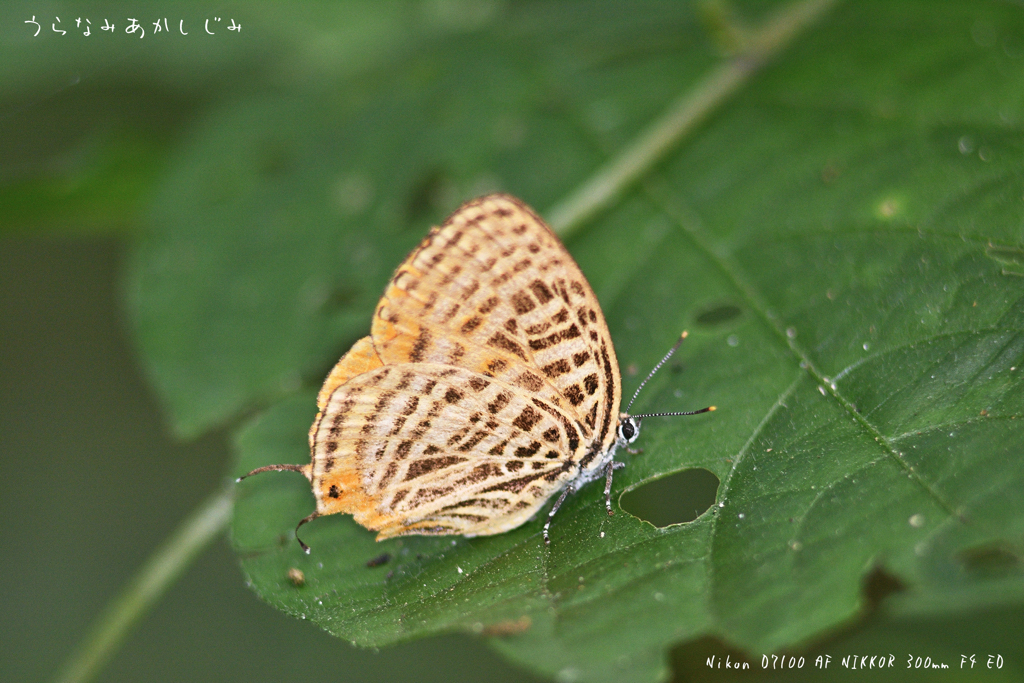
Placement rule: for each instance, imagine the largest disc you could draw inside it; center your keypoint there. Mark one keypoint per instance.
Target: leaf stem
(682, 117)
(159, 572)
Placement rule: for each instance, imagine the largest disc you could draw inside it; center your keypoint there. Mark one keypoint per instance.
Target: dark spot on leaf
(718, 315)
(383, 558)
(991, 561)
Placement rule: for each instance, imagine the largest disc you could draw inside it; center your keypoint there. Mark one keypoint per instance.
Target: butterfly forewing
(439, 450)
(495, 292)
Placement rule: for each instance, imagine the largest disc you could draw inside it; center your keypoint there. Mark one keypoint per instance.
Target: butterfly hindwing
(427, 448)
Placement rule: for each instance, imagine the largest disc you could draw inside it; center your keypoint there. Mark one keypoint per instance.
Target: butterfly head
(628, 430)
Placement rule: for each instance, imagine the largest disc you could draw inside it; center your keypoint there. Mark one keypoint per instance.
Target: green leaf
(842, 241)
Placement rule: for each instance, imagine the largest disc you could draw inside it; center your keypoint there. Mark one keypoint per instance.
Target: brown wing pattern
(422, 448)
(495, 292)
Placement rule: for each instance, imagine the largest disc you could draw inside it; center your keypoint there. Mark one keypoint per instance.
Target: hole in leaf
(990, 561)
(675, 499)
(880, 584)
(718, 315)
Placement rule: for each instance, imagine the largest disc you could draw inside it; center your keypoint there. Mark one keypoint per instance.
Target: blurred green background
(95, 130)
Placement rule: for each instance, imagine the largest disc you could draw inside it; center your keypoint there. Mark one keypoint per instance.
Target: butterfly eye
(628, 430)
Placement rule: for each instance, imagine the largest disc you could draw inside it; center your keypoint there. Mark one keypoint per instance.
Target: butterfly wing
(423, 448)
(360, 358)
(494, 291)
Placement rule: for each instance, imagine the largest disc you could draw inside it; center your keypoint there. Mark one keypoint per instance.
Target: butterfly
(487, 385)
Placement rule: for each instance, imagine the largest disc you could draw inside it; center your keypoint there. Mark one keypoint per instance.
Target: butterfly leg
(558, 503)
(608, 469)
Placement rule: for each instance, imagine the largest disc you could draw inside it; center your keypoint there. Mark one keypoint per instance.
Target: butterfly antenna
(709, 409)
(310, 518)
(276, 468)
(656, 368)
(306, 471)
